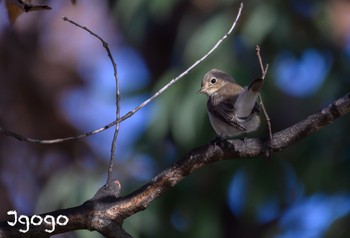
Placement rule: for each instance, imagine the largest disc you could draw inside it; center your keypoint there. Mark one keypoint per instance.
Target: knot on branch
(107, 194)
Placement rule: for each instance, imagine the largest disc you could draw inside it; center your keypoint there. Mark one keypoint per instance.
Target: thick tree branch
(105, 212)
(311, 124)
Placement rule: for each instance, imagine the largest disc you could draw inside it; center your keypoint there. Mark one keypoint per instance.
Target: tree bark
(105, 212)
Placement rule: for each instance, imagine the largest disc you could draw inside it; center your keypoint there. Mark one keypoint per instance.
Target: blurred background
(57, 81)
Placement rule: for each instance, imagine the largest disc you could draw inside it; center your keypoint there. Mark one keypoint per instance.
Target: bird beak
(202, 90)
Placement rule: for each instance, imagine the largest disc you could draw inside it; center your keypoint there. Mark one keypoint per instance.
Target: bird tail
(246, 100)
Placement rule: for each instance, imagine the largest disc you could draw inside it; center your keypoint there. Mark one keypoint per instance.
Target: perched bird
(232, 109)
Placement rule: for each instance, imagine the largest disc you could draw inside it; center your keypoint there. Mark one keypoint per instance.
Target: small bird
(232, 109)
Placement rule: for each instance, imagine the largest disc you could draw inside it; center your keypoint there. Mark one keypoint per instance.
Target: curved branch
(106, 211)
(233, 149)
(136, 109)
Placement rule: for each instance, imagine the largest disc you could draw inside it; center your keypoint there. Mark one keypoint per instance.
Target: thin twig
(116, 132)
(267, 118)
(113, 149)
(26, 6)
(263, 70)
(132, 112)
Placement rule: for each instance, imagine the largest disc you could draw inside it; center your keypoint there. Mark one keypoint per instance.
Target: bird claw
(216, 140)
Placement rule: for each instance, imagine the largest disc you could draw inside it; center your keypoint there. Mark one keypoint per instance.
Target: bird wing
(246, 101)
(225, 111)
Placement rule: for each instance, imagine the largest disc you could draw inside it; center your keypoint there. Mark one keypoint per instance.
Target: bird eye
(213, 80)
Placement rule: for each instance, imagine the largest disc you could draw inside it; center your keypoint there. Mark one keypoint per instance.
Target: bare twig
(113, 149)
(132, 112)
(26, 6)
(267, 118)
(263, 70)
(116, 132)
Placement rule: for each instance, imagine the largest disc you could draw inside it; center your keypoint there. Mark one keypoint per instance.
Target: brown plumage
(232, 109)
